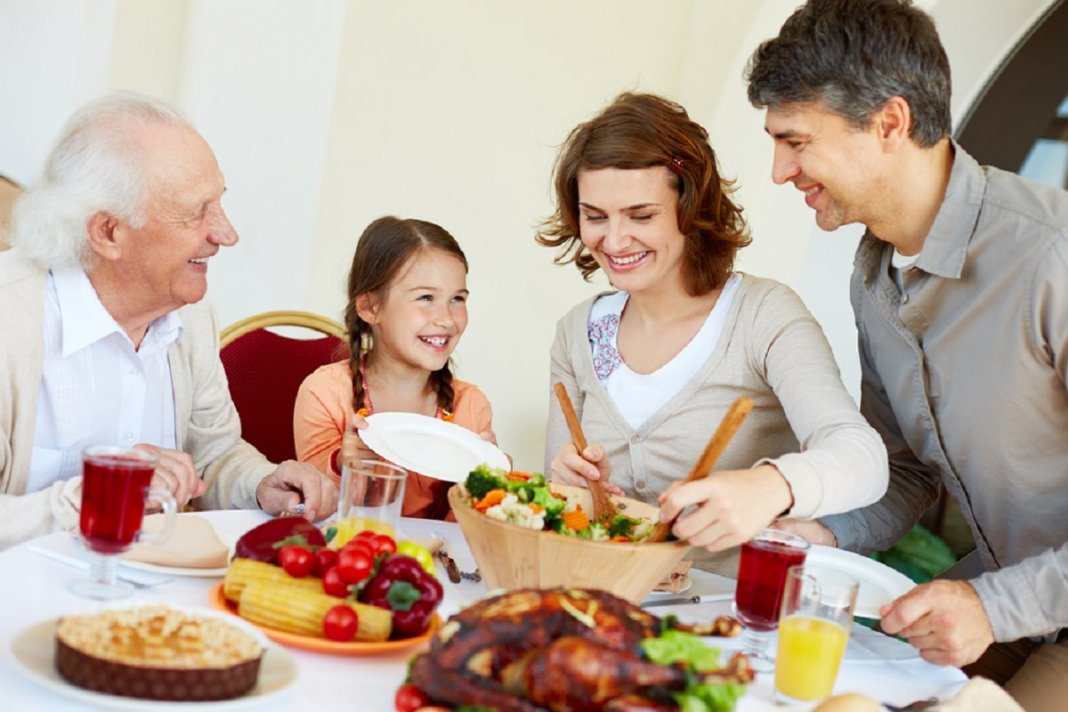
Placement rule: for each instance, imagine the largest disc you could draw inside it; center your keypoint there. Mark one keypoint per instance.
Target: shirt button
(128, 435)
(635, 439)
(639, 485)
(905, 298)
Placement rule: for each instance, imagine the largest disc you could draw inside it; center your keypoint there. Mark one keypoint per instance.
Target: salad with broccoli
(526, 500)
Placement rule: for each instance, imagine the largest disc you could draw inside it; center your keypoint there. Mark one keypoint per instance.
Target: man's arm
(913, 486)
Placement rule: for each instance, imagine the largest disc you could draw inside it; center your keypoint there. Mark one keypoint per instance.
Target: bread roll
(849, 702)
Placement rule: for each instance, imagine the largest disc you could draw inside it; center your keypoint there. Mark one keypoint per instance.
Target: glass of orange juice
(371, 495)
(817, 612)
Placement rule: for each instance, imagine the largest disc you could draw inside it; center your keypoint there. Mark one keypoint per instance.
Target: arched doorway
(1020, 120)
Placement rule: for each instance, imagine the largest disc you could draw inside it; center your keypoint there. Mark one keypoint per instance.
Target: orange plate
(322, 645)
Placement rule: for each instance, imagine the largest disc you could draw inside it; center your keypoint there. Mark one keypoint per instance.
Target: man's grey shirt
(964, 374)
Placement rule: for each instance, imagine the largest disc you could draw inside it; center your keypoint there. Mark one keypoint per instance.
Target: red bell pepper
(402, 586)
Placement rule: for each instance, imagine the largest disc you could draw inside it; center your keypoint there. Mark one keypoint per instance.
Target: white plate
(33, 654)
(217, 572)
(879, 584)
(430, 446)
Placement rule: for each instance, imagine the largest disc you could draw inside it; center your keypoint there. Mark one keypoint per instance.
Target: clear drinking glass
(115, 488)
(817, 612)
(371, 490)
(758, 595)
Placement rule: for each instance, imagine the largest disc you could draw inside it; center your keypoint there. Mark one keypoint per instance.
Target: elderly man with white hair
(107, 336)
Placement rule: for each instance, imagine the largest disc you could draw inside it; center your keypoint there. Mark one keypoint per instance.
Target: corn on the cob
(297, 610)
(245, 571)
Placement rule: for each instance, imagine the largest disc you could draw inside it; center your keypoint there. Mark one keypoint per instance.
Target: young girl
(407, 308)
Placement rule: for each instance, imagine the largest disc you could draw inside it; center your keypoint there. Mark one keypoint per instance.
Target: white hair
(96, 165)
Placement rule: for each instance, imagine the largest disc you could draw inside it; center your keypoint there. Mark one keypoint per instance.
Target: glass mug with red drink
(758, 596)
(115, 488)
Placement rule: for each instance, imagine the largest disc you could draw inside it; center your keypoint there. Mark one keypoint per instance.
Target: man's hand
(944, 620)
(175, 473)
(731, 506)
(808, 529)
(295, 482)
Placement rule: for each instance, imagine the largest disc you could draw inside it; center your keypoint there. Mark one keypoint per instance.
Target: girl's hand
(730, 506)
(570, 467)
(352, 447)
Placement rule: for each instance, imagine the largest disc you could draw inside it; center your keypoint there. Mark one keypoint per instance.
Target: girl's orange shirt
(322, 412)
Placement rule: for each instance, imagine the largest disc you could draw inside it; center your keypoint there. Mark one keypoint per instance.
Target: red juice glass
(758, 595)
(115, 487)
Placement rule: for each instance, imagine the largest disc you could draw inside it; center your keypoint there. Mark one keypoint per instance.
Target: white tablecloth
(35, 589)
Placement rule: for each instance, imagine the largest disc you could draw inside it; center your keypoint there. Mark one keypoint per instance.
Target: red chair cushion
(265, 371)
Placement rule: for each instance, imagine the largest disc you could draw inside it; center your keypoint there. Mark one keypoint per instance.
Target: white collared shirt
(96, 389)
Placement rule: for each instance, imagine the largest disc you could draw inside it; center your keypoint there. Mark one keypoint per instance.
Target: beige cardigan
(803, 421)
(206, 423)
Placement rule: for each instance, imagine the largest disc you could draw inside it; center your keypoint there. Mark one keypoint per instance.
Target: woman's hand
(570, 467)
(730, 506)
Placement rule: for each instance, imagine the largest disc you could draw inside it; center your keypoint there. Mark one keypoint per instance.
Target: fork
(916, 706)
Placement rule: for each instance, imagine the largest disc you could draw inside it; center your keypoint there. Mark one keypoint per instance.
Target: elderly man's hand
(175, 473)
(944, 620)
(295, 482)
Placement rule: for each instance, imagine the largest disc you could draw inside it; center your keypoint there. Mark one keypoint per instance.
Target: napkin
(193, 544)
(980, 695)
(677, 580)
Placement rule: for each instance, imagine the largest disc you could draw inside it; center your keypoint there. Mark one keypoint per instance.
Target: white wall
(326, 115)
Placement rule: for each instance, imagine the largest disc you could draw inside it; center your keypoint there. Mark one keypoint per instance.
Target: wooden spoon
(726, 430)
(604, 509)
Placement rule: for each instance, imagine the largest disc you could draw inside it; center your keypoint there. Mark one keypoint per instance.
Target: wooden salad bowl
(511, 557)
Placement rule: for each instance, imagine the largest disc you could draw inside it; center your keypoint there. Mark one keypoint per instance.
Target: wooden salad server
(604, 509)
(726, 430)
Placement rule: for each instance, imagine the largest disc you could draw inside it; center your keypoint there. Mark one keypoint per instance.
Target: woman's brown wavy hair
(641, 131)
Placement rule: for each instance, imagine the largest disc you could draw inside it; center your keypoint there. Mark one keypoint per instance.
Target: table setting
(209, 568)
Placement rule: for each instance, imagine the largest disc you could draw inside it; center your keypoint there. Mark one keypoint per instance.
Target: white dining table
(35, 589)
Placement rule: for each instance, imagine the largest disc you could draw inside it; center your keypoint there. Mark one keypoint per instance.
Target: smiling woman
(651, 365)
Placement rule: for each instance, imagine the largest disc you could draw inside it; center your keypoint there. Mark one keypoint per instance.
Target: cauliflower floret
(513, 511)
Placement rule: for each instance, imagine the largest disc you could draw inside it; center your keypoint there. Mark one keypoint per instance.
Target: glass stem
(755, 642)
(103, 569)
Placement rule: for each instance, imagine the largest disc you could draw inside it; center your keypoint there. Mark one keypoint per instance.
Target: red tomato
(296, 561)
(341, 623)
(325, 559)
(353, 566)
(384, 544)
(334, 585)
(409, 698)
(366, 534)
(363, 545)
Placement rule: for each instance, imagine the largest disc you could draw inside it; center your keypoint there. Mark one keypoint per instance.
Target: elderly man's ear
(106, 234)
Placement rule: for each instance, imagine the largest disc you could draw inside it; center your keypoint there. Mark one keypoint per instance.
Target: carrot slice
(575, 519)
(518, 476)
(493, 497)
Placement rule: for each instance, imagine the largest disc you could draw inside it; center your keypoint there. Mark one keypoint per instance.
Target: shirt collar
(85, 320)
(946, 245)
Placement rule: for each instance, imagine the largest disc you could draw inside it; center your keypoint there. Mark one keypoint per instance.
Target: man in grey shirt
(960, 291)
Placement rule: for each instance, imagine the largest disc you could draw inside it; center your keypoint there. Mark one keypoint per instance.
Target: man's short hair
(851, 56)
(96, 165)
